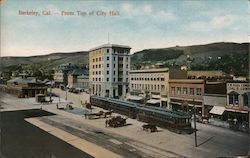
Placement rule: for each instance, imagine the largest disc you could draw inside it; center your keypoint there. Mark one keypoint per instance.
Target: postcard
(109, 79)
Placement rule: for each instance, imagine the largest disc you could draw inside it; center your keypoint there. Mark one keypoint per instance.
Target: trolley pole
(195, 133)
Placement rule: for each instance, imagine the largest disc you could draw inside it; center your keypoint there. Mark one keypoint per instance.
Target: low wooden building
(24, 87)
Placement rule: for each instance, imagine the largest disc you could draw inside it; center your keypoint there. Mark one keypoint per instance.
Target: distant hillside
(46, 61)
(229, 57)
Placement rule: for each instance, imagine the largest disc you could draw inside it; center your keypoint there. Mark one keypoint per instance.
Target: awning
(153, 101)
(156, 96)
(218, 110)
(240, 111)
(164, 99)
(133, 97)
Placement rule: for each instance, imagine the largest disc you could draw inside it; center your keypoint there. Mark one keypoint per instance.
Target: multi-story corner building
(61, 73)
(153, 83)
(187, 93)
(238, 98)
(109, 67)
(78, 78)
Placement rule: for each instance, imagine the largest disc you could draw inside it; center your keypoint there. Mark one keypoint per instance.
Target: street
(131, 140)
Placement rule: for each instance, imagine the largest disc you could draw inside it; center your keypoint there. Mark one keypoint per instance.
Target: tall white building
(109, 67)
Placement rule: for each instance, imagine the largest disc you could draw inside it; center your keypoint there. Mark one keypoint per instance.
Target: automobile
(80, 89)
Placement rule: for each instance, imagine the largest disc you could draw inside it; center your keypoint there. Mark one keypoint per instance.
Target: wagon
(117, 121)
(150, 127)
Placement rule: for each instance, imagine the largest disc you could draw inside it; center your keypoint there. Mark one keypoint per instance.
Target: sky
(138, 24)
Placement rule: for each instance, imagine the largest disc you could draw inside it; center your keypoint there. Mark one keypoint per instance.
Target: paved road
(116, 143)
(21, 139)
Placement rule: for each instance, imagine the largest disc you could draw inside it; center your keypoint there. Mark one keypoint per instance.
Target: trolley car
(121, 107)
(153, 115)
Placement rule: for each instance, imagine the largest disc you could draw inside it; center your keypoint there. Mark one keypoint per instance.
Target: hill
(229, 57)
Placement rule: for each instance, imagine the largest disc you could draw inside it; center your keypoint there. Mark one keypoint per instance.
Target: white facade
(154, 83)
(238, 94)
(109, 65)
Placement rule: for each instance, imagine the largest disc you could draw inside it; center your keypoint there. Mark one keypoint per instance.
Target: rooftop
(186, 81)
(79, 72)
(149, 70)
(110, 46)
(23, 80)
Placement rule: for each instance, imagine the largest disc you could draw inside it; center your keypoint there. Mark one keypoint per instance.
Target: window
(100, 72)
(107, 58)
(179, 90)
(93, 72)
(172, 90)
(162, 87)
(100, 59)
(114, 65)
(198, 91)
(96, 72)
(96, 66)
(114, 72)
(107, 50)
(126, 79)
(107, 72)
(191, 91)
(93, 60)
(93, 66)
(107, 65)
(96, 59)
(114, 79)
(185, 90)
(162, 79)
(114, 58)
(100, 79)
(234, 99)
(127, 59)
(127, 66)
(107, 79)
(99, 65)
(126, 72)
(245, 99)
(93, 79)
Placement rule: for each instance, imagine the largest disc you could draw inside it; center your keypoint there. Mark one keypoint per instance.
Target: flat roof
(187, 80)
(149, 70)
(110, 46)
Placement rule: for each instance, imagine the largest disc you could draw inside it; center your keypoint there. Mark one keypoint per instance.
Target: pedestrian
(57, 106)
(106, 123)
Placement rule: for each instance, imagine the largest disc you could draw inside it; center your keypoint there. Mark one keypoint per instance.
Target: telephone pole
(195, 133)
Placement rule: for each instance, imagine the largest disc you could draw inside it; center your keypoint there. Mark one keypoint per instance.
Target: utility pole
(195, 133)
(50, 92)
